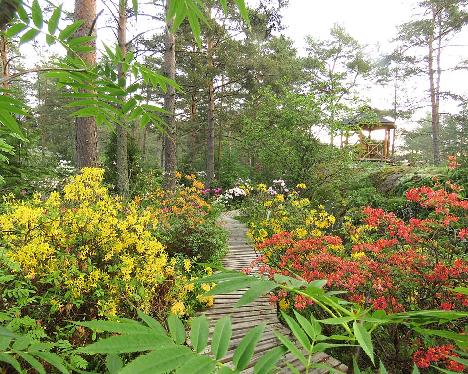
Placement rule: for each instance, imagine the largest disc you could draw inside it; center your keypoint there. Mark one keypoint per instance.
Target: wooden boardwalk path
(239, 256)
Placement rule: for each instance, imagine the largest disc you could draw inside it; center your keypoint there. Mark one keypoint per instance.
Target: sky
(374, 23)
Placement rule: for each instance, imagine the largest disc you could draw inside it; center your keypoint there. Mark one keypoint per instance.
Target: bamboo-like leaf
(29, 35)
(53, 359)
(382, 369)
(127, 344)
(15, 29)
(246, 347)
(176, 329)
(152, 323)
(197, 365)
(52, 25)
(9, 359)
(291, 347)
(36, 14)
(231, 285)
(364, 339)
(313, 330)
(35, 364)
(114, 363)
(298, 332)
(161, 360)
(199, 333)
(117, 327)
(415, 370)
(70, 30)
(243, 11)
(268, 360)
(293, 369)
(257, 289)
(221, 337)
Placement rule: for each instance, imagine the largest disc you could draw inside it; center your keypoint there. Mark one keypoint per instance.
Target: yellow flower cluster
(88, 247)
(289, 213)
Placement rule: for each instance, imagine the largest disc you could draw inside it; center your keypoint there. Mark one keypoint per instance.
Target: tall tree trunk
(122, 154)
(169, 67)
(210, 130)
(4, 61)
(433, 93)
(86, 129)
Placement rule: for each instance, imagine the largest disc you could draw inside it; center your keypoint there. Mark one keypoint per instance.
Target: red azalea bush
(388, 263)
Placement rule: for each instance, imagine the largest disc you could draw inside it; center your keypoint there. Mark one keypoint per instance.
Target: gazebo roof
(384, 122)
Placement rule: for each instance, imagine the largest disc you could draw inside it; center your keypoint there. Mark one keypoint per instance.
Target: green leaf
(15, 29)
(292, 368)
(246, 347)
(199, 333)
(299, 334)
(11, 361)
(382, 369)
(29, 35)
(21, 343)
(54, 20)
(152, 323)
(36, 14)
(113, 363)
(312, 329)
(356, 369)
(231, 285)
(22, 14)
(53, 359)
(364, 339)
(243, 10)
(176, 329)
(70, 30)
(257, 289)
(117, 327)
(127, 344)
(161, 360)
(462, 290)
(7, 333)
(336, 320)
(291, 347)
(135, 7)
(197, 365)
(35, 364)
(221, 337)
(268, 360)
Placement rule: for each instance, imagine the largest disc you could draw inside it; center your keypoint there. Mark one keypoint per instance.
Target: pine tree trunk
(86, 129)
(210, 131)
(122, 155)
(4, 61)
(169, 67)
(434, 94)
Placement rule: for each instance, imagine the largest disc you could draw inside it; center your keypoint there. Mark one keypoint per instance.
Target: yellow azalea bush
(187, 223)
(272, 211)
(85, 254)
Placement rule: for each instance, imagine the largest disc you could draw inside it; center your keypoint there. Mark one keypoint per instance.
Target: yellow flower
(205, 287)
(300, 233)
(279, 197)
(208, 270)
(187, 265)
(357, 255)
(178, 308)
(301, 186)
(283, 304)
(198, 185)
(261, 187)
(268, 203)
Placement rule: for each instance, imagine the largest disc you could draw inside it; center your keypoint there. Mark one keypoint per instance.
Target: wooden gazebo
(377, 150)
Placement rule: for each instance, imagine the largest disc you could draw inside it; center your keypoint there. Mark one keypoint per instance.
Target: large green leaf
(199, 333)
(53, 359)
(176, 329)
(197, 365)
(313, 329)
(364, 339)
(52, 25)
(257, 289)
(127, 344)
(221, 337)
(151, 322)
(246, 347)
(269, 360)
(291, 347)
(117, 327)
(35, 364)
(161, 360)
(114, 363)
(298, 332)
(9, 359)
(36, 14)
(231, 285)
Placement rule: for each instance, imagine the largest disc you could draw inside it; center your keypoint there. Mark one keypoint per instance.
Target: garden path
(239, 256)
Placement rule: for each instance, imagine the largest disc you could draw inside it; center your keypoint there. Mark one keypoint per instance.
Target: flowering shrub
(386, 263)
(85, 253)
